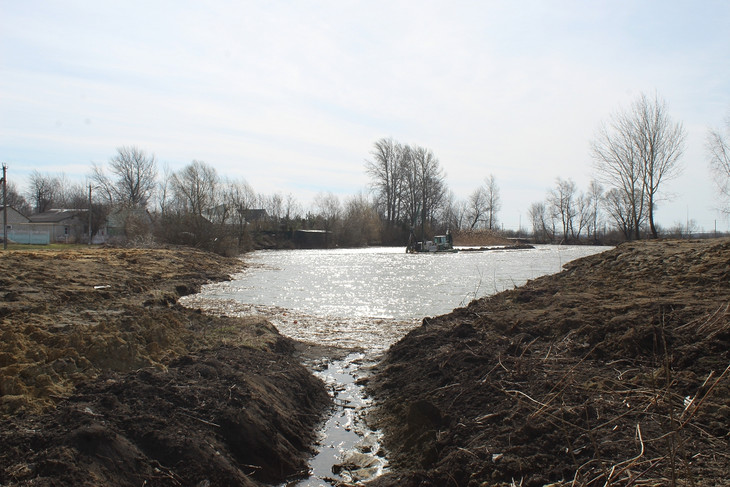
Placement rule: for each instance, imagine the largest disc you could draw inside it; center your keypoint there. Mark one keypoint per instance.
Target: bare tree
(620, 209)
(562, 201)
(71, 195)
(619, 168)
(43, 191)
(292, 209)
(453, 213)
(328, 208)
(594, 197)
(639, 150)
(134, 178)
(683, 230)
(476, 207)
(409, 186)
(194, 211)
(543, 225)
(195, 188)
(718, 149)
(15, 199)
(494, 203)
(164, 189)
(274, 206)
(661, 144)
(582, 216)
(386, 174)
(426, 186)
(239, 198)
(483, 204)
(360, 222)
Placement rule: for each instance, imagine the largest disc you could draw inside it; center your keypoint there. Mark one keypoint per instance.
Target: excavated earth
(613, 372)
(106, 380)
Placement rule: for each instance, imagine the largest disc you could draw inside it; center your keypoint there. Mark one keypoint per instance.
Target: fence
(44, 233)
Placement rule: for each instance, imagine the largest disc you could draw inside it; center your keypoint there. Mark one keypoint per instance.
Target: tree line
(196, 206)
(411, 195)
(634, 153)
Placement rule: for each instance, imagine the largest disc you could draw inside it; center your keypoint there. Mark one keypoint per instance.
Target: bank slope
(106, 380)
(612, 372)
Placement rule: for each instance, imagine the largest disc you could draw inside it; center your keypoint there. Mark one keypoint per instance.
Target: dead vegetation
(106, 380)
(614, 372)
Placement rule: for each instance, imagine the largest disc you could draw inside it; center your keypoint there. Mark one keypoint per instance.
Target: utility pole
(5, 206)
(89, 214)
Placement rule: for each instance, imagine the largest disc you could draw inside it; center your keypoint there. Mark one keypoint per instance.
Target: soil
(480, 238)
(613, 372)
(106, 380)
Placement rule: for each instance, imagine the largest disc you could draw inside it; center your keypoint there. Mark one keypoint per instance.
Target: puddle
(349, 451)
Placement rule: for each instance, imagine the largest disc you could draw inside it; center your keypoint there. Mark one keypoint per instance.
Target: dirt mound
(614, 371)
(67, 315)
(135, 389)
(226, 416)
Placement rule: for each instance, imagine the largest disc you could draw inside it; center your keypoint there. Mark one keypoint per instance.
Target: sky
(291, 96)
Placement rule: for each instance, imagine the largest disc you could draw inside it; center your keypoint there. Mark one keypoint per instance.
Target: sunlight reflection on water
(369, 298)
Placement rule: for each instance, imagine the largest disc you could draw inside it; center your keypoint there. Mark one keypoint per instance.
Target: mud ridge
(613, 372)
(106, 380)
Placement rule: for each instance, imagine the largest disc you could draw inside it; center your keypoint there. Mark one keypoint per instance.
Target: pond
(371, 297)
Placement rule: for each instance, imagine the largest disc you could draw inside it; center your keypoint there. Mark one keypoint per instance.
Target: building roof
(55, 216)
(14, 216)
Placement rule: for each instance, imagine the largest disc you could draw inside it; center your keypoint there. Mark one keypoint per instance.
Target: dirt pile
(224, 416)
(135, 389)
(479, 238)
(613, 372)
(67, 315)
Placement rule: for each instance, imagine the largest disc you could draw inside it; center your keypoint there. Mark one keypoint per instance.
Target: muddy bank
(106, 380)
(614, 371)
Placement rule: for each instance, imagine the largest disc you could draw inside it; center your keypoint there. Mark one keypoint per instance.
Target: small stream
(348, 450)
(364, 300)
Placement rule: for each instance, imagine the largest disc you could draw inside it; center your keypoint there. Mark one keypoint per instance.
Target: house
(58, 226)
(16, 226)
(72, 226)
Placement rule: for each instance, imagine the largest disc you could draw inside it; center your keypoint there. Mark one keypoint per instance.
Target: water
(366, 299)
(370, 298)
(349, 450)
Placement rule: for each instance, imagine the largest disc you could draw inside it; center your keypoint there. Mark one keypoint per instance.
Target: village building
(54, 226)
(15, 224)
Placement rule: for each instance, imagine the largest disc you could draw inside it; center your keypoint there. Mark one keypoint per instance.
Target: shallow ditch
(348, 451)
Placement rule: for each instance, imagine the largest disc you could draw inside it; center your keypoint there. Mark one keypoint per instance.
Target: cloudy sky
(291, 96)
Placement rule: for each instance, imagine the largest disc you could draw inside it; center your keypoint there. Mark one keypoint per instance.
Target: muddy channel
(349, 450)
(362, 301)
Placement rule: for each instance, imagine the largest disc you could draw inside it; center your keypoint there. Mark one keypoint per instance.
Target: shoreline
(615, 371)
(106, 380)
